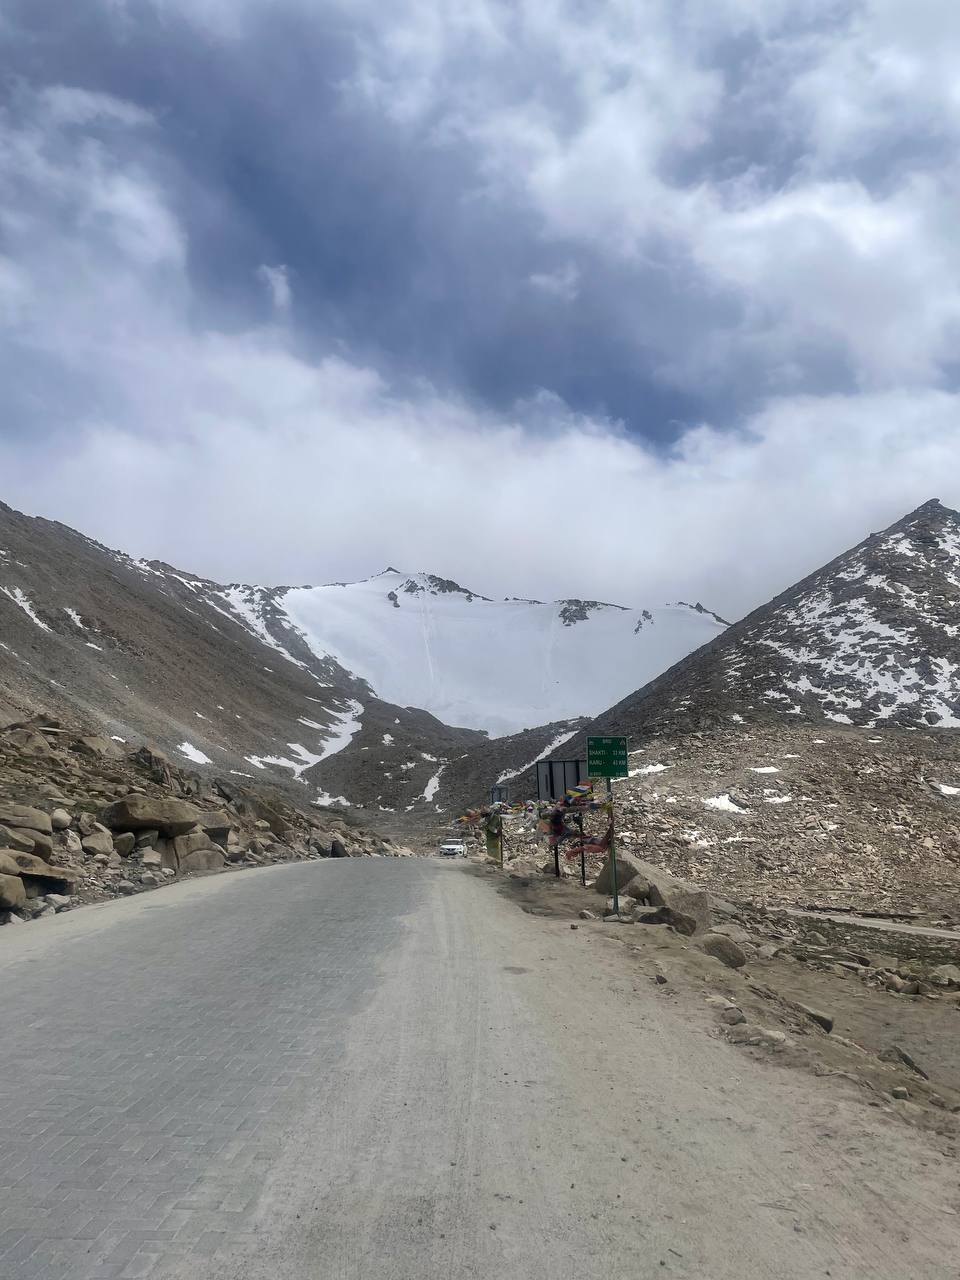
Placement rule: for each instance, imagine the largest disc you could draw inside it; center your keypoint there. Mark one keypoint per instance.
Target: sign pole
(501, 842)
(613, 850)
(583, 856)
(556, 858)
(608, 758)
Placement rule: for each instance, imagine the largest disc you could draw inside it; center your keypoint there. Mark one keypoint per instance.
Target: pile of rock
(30, 882)
(82, 820)
(913, 976)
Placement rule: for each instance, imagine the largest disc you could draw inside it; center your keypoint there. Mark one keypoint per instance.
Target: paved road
(363, 1070)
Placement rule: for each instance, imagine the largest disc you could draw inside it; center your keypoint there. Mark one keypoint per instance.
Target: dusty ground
(867, 1021)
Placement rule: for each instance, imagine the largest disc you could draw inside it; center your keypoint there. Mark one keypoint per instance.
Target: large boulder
(638, 888)
(945, 975)
(21, 840)
(664, 889)
(194, 851)
(211, 820)
(209, 859)
(677, 920)
(42, 844)
(98, 842)
(681, 898)
(8, 862)
(138, 813)
(21, 815)
(28, 742)
(156, 764)
(724, 949)
(220, 827)
(629, 868)
(12, 892)
(735, 932)
(70, 843)
(34, 870)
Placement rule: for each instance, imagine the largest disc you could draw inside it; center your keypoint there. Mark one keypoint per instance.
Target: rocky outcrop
(91, 744)
(629, 868)
(141, 812)
(21, 815)
(194, 851)
(38, 876)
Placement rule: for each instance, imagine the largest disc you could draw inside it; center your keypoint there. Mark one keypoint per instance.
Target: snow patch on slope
(345, 725)
(22, 602)
(433, 786)
(545, 754)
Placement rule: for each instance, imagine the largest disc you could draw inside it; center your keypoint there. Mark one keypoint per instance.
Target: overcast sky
(628, 299)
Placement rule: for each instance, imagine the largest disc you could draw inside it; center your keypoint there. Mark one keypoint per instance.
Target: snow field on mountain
(501, 666)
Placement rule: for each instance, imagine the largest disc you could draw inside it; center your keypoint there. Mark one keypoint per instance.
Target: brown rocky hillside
(84, 818)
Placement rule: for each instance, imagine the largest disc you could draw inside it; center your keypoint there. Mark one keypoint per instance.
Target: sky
(636, 300)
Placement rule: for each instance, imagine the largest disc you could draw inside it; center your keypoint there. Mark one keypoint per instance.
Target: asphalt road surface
(378, 1070)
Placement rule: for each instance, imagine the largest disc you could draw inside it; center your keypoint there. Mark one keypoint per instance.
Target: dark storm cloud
(432, 281)
(396, 248)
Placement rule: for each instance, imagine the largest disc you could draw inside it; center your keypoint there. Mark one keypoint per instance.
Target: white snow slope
(502, 666)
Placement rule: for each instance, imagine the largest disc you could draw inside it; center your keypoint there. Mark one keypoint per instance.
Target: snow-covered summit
(500, 665)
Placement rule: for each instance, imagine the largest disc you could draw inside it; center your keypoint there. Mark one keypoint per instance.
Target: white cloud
(237, 454)
(66, 105)
(562, 283)
(277, 283)
(888, 75)
(827, 250)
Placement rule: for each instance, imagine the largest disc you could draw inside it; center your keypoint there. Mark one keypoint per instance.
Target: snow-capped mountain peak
(499, 665)
(871, 638)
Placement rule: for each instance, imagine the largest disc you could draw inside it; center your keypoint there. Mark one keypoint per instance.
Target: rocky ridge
(871, 639)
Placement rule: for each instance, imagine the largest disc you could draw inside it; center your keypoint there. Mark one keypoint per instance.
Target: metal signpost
(554, 780)
(583, 854)
(607, 758)
(500, 795)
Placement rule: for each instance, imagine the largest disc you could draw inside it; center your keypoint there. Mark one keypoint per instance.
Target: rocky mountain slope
(143, 652)
(304, 686)
(872, 639)
(83, 818)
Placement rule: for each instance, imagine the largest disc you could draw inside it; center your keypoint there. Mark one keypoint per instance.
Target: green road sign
(607, 757)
